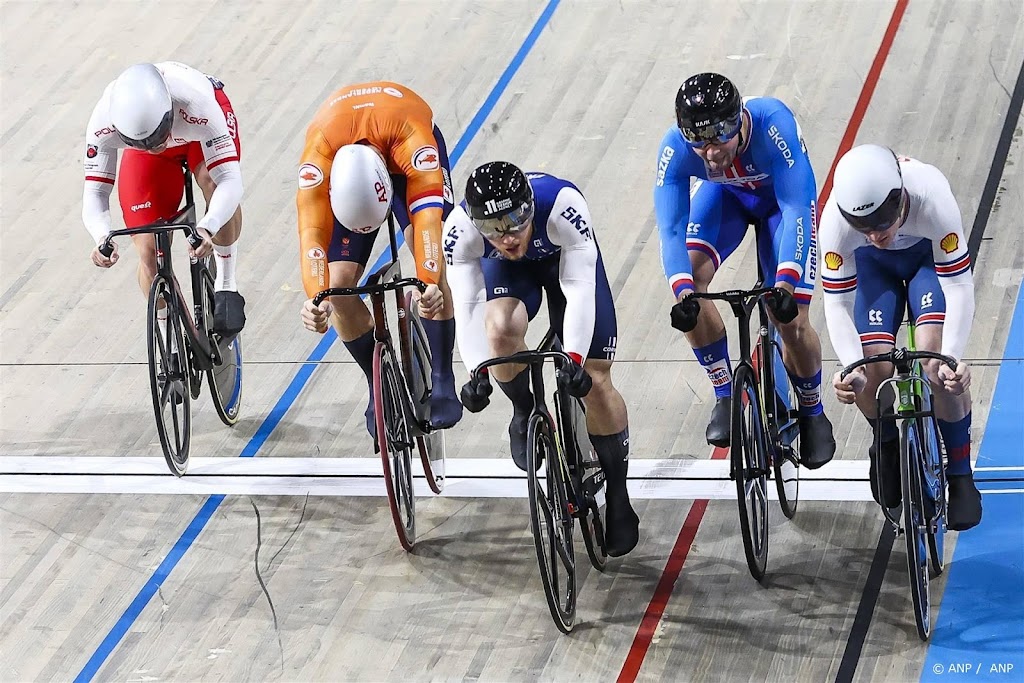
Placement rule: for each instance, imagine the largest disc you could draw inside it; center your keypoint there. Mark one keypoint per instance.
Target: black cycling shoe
(622, 526)
(719, 426)
(892, 491)
(817, 444)
(228, 313)
(517, 440)
(963, 507)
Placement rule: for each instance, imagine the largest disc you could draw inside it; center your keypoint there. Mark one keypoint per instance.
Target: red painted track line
(676, 559)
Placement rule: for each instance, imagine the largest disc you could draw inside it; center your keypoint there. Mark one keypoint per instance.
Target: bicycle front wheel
(552, 522)
(224, 378)
(395, 439)
(915, 524)
(169, 376)
(430, 446)
(749, 461)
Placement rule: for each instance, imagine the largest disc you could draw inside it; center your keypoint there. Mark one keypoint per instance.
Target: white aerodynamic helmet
(140, 107)
(360, 188)
(868, 188)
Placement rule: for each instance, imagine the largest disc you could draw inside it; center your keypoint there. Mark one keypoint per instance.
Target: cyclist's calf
(606, 410)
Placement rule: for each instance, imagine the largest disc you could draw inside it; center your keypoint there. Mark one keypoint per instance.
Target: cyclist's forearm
(226, 197)
(956, 328)
(842, 330)
(96, 209)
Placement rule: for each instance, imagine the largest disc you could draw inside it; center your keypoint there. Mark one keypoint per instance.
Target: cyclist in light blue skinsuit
(751, 166)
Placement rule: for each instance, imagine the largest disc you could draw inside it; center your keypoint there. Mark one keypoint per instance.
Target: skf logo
(875, 317)
(310, 176)
(426, 159)
(926, 300)
(576, 219)
(833, 261)
(949, 243)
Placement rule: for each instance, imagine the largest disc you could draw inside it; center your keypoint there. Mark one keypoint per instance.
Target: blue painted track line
(979, 632)
(277, 413)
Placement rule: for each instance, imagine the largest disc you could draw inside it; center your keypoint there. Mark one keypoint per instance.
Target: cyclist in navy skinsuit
(750, 166)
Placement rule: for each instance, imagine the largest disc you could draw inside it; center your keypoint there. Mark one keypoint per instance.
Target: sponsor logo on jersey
(431, 265)
(783, 146)
(426, 159)
(310, 176)
(109, 130)
(449, 244)
(316, 253)
(950, 243)
(393, 92)
(875, 317)
(139, 207)
(666, 157)
(575, 219)
(497, 291)
(91, 151)
(192, 120)
(926, 300)
(833, 261)
(229, 118)
(315, 257)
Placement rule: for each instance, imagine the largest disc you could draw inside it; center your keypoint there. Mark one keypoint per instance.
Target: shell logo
(950, 243)
(833, 261)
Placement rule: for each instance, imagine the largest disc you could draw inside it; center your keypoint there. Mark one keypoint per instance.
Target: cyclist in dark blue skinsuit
(750, 166)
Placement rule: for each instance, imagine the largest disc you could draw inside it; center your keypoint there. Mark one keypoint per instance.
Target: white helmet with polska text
(140, 107)
(360, 188)
(868, 188)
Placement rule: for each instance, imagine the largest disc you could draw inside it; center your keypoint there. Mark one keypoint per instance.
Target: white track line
(671, 479)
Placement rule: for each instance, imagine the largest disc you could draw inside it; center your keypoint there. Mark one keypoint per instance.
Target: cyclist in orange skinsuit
(339, 184)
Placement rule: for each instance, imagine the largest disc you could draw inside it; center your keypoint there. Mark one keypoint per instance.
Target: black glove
(476, 394)
(575, 379)
(684, 314)
(782, 304)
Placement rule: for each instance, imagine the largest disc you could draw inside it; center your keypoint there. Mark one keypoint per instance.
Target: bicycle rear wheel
(169, 377)
(749, 461)
(396, 443)
(430, 446)
(915, 524)
(225, 378)
(551, 522)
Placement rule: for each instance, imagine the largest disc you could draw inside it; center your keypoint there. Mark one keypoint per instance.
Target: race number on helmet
(140, 107)
(360, 188)
(499, 199)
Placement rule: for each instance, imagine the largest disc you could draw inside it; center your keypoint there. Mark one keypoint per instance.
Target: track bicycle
(922, 471)
(186, 347)
(401, 391)
(570, 487)
(765, 430)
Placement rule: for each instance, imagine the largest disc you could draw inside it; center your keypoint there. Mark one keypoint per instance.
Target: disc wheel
(224, 378)
(430, 446)
(552, 522)
(915, 525)
(396, 444)
(169, 376)
(749, 456)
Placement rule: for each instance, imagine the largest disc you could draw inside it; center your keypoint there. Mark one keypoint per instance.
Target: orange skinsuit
(396, 121)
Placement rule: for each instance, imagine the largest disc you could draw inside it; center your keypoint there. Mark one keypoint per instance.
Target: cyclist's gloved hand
(574, 378)
(782, 304)
(684, 314)
(476, 393)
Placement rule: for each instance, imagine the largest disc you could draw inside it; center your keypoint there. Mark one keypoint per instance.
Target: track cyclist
(162, 115)
(516, 236)
(750, 166)
(892, 232)
(373, 149)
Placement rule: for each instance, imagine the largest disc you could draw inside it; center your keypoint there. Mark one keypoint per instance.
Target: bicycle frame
(205, 355)
(389, 277)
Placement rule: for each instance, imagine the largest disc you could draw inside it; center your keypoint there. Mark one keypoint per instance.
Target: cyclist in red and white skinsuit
(162, 115)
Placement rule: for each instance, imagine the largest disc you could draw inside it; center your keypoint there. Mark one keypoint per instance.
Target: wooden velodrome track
(147, 587)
